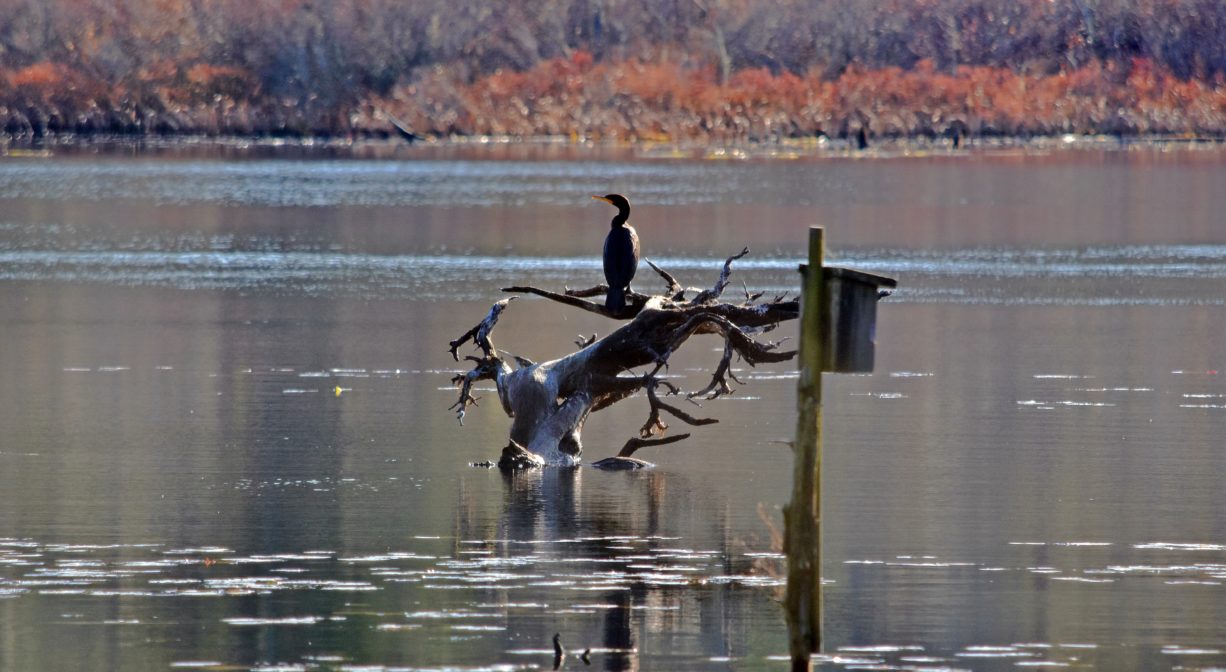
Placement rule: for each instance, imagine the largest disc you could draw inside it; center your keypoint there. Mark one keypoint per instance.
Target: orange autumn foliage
(637, 100)
(581, 97)
(43, 75)
(206, 80)
(733, 70)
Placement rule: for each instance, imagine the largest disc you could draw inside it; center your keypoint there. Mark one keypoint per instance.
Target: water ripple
(1175, 275)
(317, 183)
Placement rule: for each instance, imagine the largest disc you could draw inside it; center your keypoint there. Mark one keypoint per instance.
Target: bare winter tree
(549, 401)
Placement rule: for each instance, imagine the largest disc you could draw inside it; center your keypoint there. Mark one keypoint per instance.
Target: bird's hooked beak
(602, 198)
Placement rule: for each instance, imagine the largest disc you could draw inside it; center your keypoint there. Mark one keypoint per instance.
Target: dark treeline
(336, 66)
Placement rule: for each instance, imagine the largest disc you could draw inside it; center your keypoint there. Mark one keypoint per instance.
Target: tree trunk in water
(550, 401)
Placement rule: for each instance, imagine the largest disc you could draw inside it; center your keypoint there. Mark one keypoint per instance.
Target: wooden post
(802, 517)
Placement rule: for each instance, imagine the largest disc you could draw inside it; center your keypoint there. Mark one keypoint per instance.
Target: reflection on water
(1094, 276)
(485, 590)
(226, 439)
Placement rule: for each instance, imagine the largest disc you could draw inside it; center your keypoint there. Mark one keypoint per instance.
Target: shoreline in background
(725, 74)
(631, 101)
(564, 148)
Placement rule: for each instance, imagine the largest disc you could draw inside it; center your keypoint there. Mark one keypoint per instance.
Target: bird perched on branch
(621, 253)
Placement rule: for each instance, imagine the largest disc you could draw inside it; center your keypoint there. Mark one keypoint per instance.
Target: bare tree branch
(675, 290)
(521, 362)
(755, 316)
(598, 290)
(750, 298)
(654, 424)
(719, 380)
(715, 292)
(634, 301)
(608, 390)
(746, 315)
(480, 334)
(750, 350)
(465, 382)
(636, 443)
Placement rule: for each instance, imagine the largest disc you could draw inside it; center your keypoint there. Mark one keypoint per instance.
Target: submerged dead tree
(550, 401)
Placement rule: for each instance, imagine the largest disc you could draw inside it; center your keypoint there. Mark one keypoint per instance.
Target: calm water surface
(226, 442)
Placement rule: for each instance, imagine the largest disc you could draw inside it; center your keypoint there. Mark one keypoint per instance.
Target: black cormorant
(621, 253)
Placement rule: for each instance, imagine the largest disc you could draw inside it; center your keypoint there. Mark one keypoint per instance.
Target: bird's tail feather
(615, 300)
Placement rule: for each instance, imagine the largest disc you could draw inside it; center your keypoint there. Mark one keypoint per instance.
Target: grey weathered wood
(853, 297)
(550, 401)
(802, 516)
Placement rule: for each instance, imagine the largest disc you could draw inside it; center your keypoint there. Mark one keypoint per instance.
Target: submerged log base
(618, 463)
(550, 401)
(515, 457)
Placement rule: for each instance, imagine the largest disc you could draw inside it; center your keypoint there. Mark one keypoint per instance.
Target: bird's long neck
(622, 217)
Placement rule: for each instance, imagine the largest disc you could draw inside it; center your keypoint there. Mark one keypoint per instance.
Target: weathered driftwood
(623, 460)
(550, 401)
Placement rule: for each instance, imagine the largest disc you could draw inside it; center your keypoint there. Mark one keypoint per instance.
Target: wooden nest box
(853, 299)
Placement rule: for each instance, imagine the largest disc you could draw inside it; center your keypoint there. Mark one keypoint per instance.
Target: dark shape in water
(515, 457)
(622, 464)
(623, 460)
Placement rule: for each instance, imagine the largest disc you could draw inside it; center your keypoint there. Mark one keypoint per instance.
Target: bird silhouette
(621, 253)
